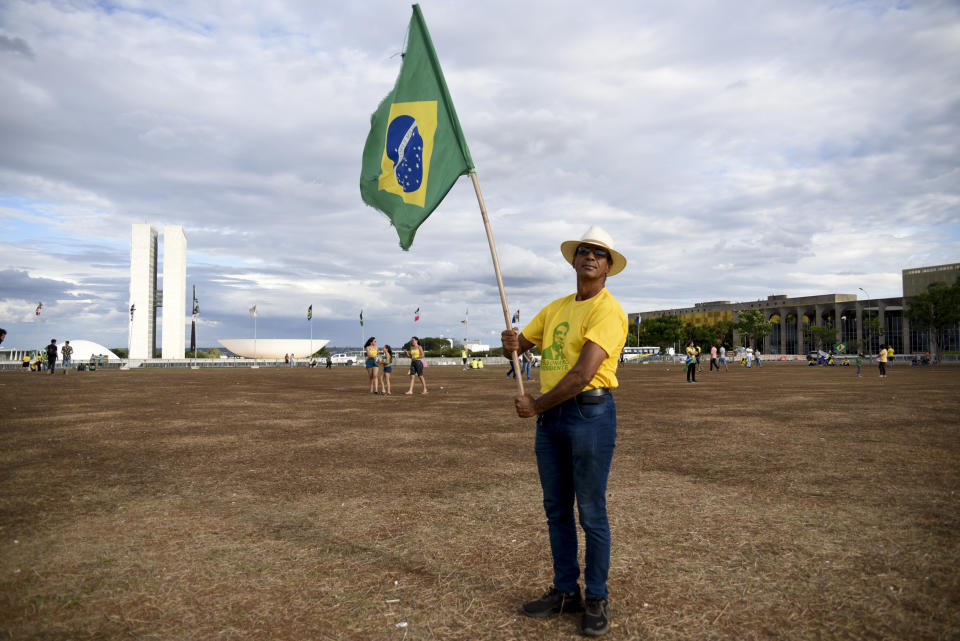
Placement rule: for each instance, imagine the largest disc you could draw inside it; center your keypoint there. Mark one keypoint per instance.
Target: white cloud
(733, 151)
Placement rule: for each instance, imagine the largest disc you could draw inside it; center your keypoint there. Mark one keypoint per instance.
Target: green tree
(871, 327)
(722, 332)
(753, 325)
(433, 346)
(663, 331)
(824, 336)
(632, 334)
(702, 335)
(937, 310)
(122, 352)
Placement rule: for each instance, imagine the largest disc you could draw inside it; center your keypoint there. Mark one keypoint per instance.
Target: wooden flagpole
(496, 270)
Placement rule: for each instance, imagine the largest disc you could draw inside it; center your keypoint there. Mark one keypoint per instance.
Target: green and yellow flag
(416, 149)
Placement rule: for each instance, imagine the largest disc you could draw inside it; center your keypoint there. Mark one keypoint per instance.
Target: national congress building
(845, 312)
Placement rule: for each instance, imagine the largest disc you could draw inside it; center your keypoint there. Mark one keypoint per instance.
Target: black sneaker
(596, 618)
(554, 602)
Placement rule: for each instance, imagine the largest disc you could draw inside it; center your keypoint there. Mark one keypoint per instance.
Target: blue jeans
(525, 368)
(574, 447)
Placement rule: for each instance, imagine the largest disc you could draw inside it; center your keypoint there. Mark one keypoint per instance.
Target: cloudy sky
(733, 149)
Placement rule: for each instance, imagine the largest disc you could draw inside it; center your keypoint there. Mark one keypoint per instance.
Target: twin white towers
(145, 298)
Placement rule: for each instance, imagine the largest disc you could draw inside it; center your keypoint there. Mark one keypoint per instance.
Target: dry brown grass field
(281, 504)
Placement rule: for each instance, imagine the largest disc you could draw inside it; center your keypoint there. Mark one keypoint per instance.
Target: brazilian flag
(416, 149)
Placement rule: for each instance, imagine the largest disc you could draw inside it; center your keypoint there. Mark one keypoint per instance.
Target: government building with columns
(845, 312)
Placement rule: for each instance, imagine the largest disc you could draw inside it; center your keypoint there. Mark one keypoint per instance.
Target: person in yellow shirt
(580, 337)
(883, 364)
(373, 368)
(691, 363)
(416, 365)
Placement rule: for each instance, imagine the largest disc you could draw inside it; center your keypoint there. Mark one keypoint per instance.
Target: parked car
(343, 359)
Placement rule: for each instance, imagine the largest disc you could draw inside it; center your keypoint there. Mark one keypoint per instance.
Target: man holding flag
(577, 425)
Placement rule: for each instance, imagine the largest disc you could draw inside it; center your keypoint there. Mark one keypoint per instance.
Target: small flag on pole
(132, 309)
(253, 312)
(361, 318)
(516, 317)
(310, 313)
(39, 307)
(466, 317)
(416, 315)
(415, 150)
(193, 324)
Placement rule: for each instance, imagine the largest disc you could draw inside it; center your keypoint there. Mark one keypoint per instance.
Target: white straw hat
(599, 238)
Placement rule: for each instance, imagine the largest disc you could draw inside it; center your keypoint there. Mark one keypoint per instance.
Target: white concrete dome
(272, 347)
(83, 350)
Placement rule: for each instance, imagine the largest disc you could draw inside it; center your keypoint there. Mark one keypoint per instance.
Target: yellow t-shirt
(562, 327)
(372, 352)
(883, 356)
(415, 354)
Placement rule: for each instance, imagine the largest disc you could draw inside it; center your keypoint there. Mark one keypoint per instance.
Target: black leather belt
(592, 396)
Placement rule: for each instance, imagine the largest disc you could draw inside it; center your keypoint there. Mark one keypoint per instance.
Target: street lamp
(867, 316)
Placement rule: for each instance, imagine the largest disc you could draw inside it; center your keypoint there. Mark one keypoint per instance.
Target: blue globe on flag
(405, 149)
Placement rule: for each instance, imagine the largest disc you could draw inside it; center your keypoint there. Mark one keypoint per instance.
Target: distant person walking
(373, 369)
(883, 364)
(756, 356)
(463, 357)
(691, 363)
(25, 367)
(416, 365)
(387, 362)
(52, 355)
(713, 358)
(511, 371)
(526, 364)
(67, 353)
(723, 359)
